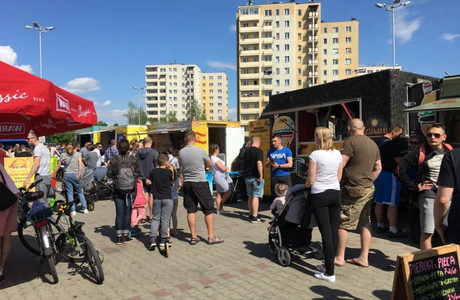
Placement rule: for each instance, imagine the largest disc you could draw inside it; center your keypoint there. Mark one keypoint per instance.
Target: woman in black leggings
(324, 174)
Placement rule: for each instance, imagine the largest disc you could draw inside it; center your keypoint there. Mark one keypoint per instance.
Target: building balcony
(266, 99)
(313, 38)
(267, 28)
(312, 74)
(249, 98)
(313, 62)
(250, 111)
(313, 14)
(250, 64)
(267, 40)
(267, 52)
(249, 41)
(312, 26)
(312, 50)
(249, 88)
(248, 29)
(249, 17)
(249, 53)
(254, 76)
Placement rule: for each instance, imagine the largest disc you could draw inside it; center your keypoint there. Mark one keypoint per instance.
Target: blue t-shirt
(280, 157)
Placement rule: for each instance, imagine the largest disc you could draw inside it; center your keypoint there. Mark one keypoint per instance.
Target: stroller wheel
(93, 197)
(273, 241)
(90, 205)
(318, 247)
(284, 257)
(272, 249)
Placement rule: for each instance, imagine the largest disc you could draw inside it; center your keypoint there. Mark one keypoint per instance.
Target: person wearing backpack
(428, 159)
(124, 169)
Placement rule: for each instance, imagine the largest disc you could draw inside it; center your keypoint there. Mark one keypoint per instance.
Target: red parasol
(28, 102)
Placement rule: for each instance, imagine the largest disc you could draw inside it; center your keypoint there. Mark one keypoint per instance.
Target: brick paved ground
(240, 268)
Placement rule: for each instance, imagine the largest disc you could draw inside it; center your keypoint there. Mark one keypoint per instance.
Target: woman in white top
(324, 175)
(173, 161)
(219, 173)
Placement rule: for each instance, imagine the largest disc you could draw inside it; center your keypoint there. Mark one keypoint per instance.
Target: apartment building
(171, 88)
(214, 96)
(283, 47)
(363, 70)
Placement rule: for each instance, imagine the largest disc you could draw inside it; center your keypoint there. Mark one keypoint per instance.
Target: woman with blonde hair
(72, 175)
(324, 175)
(219, 173)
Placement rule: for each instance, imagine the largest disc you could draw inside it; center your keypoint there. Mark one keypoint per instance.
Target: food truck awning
(443, 104)
(309, 107)
(107, 129)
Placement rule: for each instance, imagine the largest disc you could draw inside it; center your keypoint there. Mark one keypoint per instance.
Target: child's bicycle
(74, 245)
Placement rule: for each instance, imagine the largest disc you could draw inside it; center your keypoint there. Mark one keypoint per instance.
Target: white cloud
(7, 55)
(221, 65)
(232, 114)
(449, 36)
(82, 85)
(233, 28)
(107, 103)
(405, 28)
(112, 116)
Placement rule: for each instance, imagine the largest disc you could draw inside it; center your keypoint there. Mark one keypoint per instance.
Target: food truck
(103, 134)
(228, 135)
(379, 99)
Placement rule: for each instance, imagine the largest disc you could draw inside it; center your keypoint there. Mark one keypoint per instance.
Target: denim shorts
(254, 188)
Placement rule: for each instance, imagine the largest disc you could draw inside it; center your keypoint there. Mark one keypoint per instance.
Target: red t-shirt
(2, 156)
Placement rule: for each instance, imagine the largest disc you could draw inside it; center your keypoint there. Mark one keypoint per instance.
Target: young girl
(278, 203)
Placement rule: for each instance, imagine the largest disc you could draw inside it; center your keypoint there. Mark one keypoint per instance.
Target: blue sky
(99, 48)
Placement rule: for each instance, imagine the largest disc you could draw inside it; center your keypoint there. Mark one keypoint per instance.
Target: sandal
(194, 241)
(214, 240)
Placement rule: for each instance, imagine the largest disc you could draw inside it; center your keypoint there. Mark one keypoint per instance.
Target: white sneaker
(223, 212)
(321, 268)
(325, 277)
(73, 214)
(85, 211)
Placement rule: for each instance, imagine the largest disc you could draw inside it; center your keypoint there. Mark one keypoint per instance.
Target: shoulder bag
(8, 198)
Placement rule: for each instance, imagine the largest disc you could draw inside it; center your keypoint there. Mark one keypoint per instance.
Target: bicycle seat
(34, 195)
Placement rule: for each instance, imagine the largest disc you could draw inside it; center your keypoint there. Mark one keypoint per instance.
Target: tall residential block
(284, 47)
(172, 87)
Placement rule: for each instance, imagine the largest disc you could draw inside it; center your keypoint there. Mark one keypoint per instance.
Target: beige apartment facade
(214, 96)
(172, 87)
(280, 48)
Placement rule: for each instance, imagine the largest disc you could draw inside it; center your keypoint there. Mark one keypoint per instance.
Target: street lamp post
(40, 30)
(392, 6)
(139, 95)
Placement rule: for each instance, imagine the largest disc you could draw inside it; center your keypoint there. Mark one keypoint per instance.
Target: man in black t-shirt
(448, 187)
(253, 159)
(387, 187)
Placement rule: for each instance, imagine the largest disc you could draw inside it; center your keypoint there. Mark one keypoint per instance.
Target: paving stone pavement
(240, 268)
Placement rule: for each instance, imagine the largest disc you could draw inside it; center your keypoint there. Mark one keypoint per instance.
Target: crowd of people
(343, 186)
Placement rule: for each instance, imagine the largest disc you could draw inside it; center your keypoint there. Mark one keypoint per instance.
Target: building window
(299, 24)
(277, 71)
(348, 71)
(286, 47)
(299, 59)
(286, 35)
(277, 83)
(286, 11)
(277, 12)
(348, 29)
(286, 70)
(277, 36)
(325, 51)
(268, 12)
(246, 118)
(299, 12)
(245, 59)
(325, 41)
(268, 58)
(335, 61)
(324, 30)
(299, 48)
(325, 73)
(335, 72)
(348, 50)
(286, 23)
(348, 61)
(277, 47)
(244, 71)
(335, 29)
(286, 82)
(286, 59)
(348, 40)
(335, 51)
(335, 40)
(299, 82)
(299, 71)
(277, 24)
(324, 62)
(277, 59)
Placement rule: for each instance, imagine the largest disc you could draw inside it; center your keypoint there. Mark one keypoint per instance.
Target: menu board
(428, 274)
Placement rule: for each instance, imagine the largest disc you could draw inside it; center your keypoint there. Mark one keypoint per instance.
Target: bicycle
(36, 231)
(68, 244)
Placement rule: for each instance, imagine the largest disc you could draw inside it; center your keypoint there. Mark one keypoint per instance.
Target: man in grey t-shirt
(193, 161)
(41, 166)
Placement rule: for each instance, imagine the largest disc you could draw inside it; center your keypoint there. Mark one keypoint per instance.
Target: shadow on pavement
(328, 293)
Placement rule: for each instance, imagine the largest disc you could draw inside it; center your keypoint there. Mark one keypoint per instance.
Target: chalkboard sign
(428, 275)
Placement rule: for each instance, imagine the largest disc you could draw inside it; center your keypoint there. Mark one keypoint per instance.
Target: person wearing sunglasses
(425, 183)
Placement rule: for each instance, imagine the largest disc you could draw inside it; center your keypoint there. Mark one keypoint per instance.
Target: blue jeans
(71, 183)
(123, 209)
(162, 210)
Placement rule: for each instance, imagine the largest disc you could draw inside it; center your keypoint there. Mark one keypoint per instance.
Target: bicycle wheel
(28, 235)
(52, 263)
(93, 260)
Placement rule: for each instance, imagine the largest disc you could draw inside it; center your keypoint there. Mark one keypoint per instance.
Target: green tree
(133, 114)
(195, 112)
(116, 124)
(170, 117)
(101, 123)
(63, 137)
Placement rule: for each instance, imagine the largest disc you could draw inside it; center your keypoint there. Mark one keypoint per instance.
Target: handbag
(8, 198)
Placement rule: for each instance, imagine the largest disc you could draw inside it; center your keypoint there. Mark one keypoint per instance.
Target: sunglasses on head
(436, 135)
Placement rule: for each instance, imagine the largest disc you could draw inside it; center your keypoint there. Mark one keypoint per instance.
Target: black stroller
(104, 190)
(290, 232)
